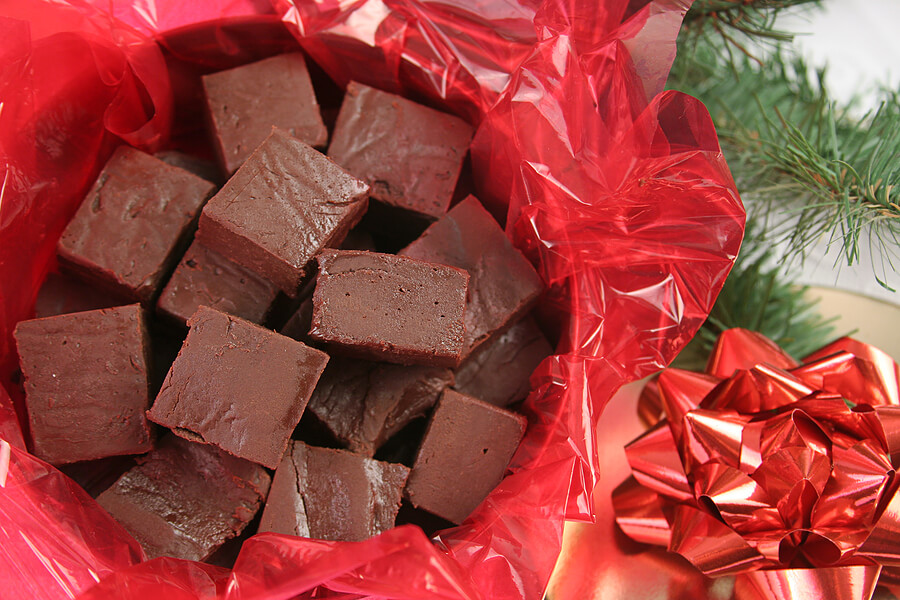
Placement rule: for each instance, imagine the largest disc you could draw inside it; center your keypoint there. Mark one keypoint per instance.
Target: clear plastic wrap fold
(616, 191)
(791, 471)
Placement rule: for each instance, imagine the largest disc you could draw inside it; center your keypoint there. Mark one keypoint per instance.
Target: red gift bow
(780, 473)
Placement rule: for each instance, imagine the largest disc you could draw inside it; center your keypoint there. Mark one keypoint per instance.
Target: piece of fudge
(133, 225)
(364, 403)
(244, 104)
(332, 495)
(389, 308)
(61, 294)
(207, 278)
(463, 456)
(284, 204)
(86, 384)
(498, 371)
(503, 285)
(238, 386)
(185, 499)
(410, 154)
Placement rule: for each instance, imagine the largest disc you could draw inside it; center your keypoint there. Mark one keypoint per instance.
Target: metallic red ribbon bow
(780, 473)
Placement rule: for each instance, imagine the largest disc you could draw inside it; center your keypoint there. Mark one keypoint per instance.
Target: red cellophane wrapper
(778, 472)
(615, 190)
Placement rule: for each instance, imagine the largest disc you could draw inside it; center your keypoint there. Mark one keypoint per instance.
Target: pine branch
(795, 155)
(753, 18)
(806, 168)
(851, 177)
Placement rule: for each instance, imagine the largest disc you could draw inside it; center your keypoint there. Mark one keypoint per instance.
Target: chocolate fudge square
(207, 278)
(364, 403)
(86, 384)
(465, 452)
(244, 104)
(389, 308)
(410, 154)
(284, 204)
(238, 386)
(185, 499)
(332, 495)
(133, 224)
(499, 370)
(503, 285)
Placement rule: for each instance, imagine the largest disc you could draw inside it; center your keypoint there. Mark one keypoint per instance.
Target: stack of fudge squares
(216, 362)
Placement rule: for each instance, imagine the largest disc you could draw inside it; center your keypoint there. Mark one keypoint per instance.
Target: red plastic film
(55, 541)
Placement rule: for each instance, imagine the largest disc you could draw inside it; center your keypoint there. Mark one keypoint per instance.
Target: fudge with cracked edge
(364, 403)
(185, 499)
(334, 495)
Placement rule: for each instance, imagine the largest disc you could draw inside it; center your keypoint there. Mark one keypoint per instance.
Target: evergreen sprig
(752, 18)
(806, 167)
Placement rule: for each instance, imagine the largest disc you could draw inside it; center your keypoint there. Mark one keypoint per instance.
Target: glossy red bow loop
(780, 473)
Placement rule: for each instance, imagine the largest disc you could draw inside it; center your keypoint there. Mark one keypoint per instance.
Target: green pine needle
(753, 18)
(806, 168)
